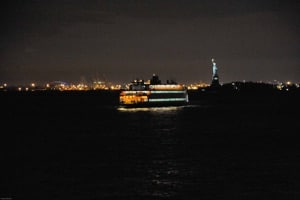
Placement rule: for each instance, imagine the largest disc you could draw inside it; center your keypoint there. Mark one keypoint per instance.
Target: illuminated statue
(215, 76)
(215, 68)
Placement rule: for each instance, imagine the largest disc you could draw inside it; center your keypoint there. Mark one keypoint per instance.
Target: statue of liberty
(215, 77)
(215, 68)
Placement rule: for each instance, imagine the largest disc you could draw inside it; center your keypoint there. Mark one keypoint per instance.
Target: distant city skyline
(120, 40)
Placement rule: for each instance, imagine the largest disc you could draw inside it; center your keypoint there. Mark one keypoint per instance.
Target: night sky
(120, 40)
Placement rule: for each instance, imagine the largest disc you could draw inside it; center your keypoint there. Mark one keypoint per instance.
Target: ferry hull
(153, 99)
(153, 104)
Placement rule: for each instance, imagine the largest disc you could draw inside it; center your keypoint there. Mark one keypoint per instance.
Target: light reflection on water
(164, 177)
(159, 127)
(151, 109)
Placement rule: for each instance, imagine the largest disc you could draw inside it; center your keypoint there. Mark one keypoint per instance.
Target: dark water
(86, 147)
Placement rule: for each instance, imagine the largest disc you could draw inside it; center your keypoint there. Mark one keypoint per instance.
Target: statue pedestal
(215, 81)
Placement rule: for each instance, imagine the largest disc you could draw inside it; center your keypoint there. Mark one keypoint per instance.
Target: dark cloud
(194, 8)
(48, 16)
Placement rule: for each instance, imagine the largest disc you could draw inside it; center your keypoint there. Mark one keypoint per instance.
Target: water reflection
(164, 178)
(155, 131)
(151, 109)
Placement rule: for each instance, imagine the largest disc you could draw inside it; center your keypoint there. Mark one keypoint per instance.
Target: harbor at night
(150, 100)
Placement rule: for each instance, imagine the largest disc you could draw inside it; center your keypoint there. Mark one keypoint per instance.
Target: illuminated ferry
(153, 93)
